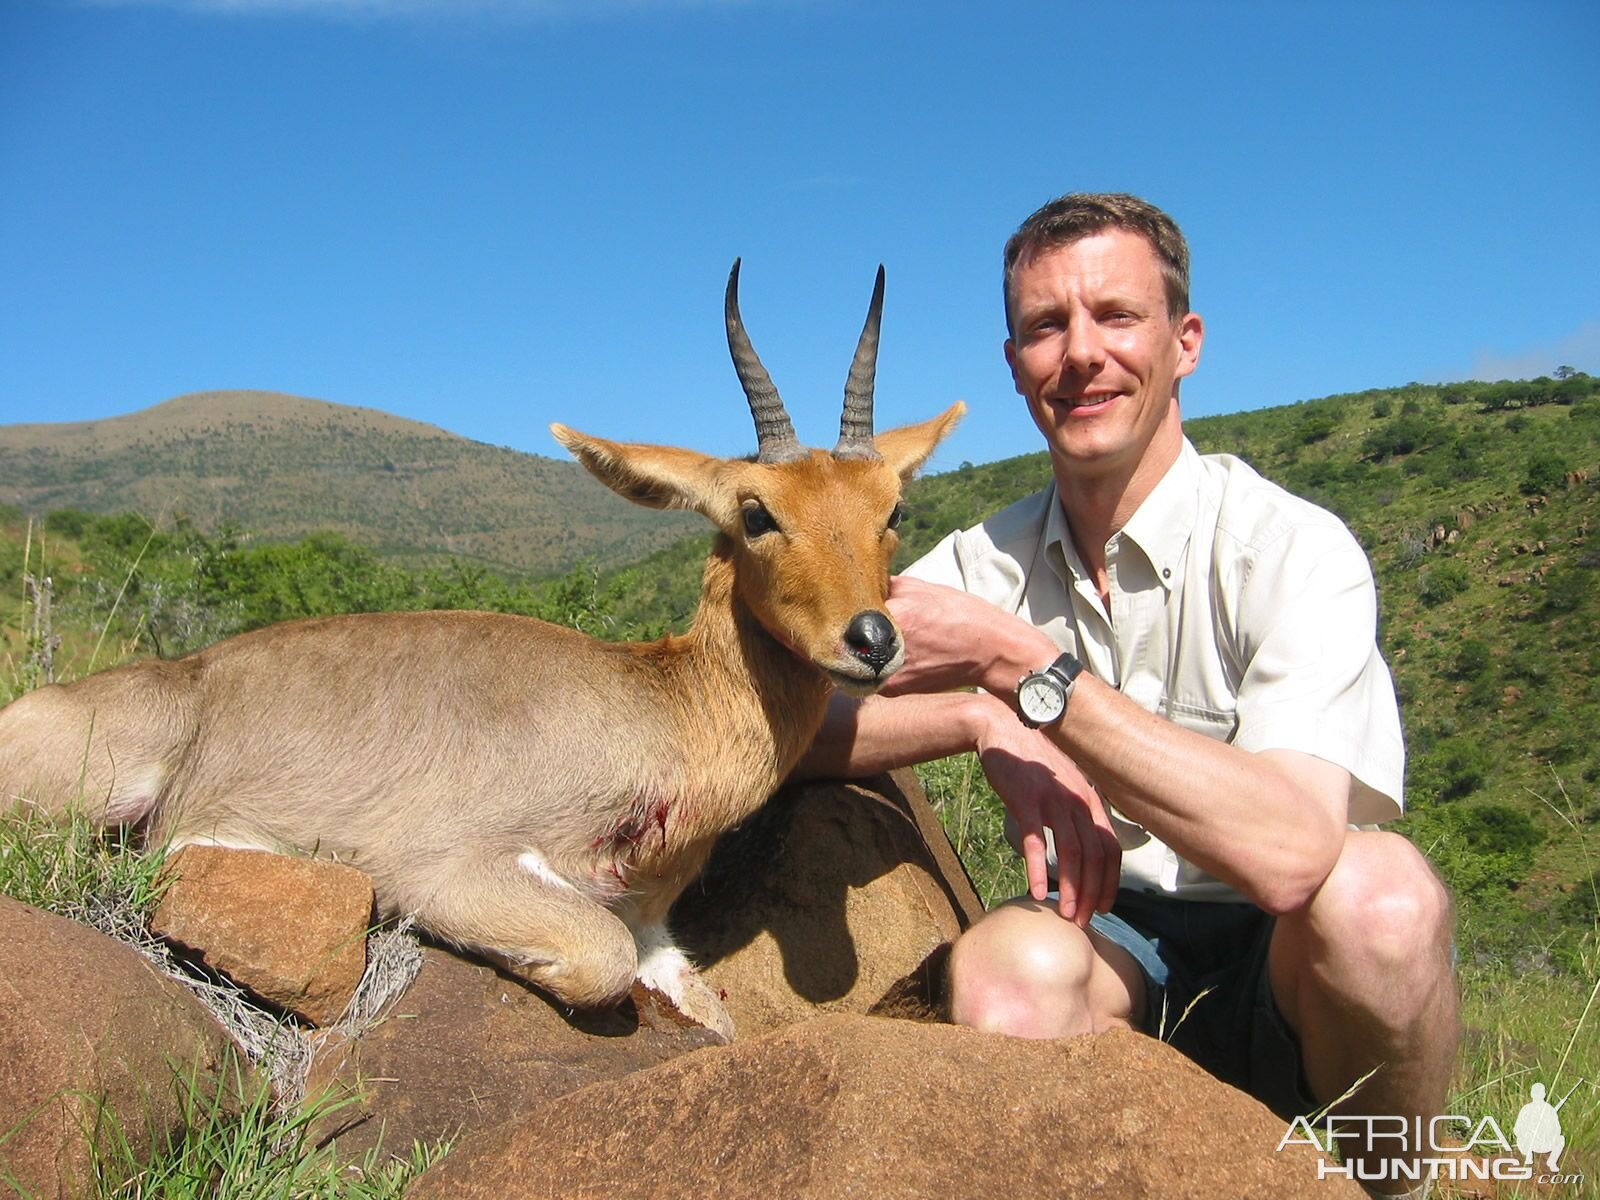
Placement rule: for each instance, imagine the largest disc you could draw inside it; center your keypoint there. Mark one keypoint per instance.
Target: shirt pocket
(1218, 724)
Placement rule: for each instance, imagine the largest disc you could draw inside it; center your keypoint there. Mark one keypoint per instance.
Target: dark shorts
(1208, 994)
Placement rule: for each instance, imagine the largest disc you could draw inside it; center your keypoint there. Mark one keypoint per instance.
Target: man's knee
(1377, 936)
(1383, 901)
(1025, 971)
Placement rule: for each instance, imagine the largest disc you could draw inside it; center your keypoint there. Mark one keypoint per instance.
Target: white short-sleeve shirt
(1237, 610)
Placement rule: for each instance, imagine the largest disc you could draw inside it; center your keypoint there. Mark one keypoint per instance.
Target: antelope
(522, 790)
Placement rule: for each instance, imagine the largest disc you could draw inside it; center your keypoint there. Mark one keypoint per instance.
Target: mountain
(280, 466)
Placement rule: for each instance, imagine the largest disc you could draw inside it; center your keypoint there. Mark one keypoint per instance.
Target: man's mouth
(1089, 402)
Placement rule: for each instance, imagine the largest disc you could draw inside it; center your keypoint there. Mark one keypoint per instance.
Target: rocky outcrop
(468, 1047)
(849, 1106)
(820, 921)
(95, 1045)
(833, 898)
(292, 931)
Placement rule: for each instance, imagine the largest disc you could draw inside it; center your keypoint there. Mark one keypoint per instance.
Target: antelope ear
(908, 447)
(654, 476)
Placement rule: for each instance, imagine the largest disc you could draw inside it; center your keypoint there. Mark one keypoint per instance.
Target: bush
(1442, 581)
(1472, 659)
(1546, 472)
(1314, 427)
(1481, 850)
(1568, 589)
(1453, 768)
(1400, 436)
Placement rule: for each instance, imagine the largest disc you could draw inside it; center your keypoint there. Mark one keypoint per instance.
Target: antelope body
(522, 789)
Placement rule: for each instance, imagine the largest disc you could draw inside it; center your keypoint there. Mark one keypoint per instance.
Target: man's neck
(1097, 505)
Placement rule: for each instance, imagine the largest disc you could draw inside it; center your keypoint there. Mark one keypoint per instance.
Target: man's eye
(757, 520)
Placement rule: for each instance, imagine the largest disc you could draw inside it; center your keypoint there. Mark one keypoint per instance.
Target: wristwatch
(1042, 695)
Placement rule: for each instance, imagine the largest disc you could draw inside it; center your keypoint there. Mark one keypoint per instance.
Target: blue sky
(492, 215)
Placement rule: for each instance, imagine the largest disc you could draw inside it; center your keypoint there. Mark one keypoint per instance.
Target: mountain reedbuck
(520, 788)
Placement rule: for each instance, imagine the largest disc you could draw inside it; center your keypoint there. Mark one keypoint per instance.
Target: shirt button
(1166, 572)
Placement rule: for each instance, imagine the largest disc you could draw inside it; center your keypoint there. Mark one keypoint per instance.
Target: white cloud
(1580, 349)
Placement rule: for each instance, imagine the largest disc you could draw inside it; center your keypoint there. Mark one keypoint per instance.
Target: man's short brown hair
(1067, 219)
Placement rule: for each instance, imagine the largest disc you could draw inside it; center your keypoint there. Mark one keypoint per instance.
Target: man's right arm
(1041, 786)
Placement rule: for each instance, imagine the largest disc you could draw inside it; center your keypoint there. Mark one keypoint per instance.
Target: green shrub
(1472, 659)
(1546, 472)
(1482, 850)
(1452, 768)
(1440, 581)
(1568, 589)
(1315, 427)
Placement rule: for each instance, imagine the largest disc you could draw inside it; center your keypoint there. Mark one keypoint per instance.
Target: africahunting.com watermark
(1407, 1150)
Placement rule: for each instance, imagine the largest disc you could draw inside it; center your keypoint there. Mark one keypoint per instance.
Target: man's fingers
(1034, 861)
(1092, 876)
(1105, 836)
(1113, 872)
(1069, 863)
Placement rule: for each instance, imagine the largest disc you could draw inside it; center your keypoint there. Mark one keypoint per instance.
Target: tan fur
(521, 788)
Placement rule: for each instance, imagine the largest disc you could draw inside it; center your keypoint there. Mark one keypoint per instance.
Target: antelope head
(811, 532)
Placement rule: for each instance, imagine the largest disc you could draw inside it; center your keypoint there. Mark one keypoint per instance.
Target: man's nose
(1084, 353)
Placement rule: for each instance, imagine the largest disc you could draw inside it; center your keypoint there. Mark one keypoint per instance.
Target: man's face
(1095, 354)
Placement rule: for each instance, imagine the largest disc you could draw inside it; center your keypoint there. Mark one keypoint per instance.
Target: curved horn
(775, 440)
(855, 427)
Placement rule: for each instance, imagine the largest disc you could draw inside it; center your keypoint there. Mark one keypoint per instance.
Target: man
(1196, 650)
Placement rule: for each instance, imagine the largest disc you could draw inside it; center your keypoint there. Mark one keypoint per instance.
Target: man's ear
(907, 448)
(1191, 333)
(654, 476)
(1011, 361)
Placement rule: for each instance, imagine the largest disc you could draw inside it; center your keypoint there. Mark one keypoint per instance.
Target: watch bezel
(1061, 675)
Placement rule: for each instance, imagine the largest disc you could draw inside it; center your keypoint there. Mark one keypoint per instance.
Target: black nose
(871, 638)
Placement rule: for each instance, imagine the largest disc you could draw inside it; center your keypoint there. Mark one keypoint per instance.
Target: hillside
(281, 466)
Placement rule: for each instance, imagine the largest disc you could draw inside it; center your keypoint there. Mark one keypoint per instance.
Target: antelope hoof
(669, 975)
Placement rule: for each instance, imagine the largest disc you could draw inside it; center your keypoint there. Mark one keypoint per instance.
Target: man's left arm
(1270, 823)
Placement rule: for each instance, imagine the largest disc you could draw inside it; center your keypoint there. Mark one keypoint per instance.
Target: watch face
(1041, 698)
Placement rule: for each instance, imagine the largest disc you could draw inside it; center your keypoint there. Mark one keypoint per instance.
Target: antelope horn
(855, 427)
(775, 440)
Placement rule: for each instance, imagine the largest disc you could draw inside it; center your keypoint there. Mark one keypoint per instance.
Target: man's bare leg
(1025, 971)
(1363, 975)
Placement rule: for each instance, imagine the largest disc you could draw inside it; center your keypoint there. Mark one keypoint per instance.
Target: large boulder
(469, 1046)
(835, 897)
(851, 1106)
(291, 930)
(95, 1045)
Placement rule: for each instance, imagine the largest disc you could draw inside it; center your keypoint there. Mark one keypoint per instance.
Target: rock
(833, 898)
(851, 1106)
(85, 1020)
(469, 1046)
(293, 931)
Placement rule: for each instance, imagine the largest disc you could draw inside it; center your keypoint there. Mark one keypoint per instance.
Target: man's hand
(1044, 789)
(956, 640)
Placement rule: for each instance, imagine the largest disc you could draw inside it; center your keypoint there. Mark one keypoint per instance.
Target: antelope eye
(896, 516)
(757, 520)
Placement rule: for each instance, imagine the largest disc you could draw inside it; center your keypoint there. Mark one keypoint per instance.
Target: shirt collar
(1160, 527)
